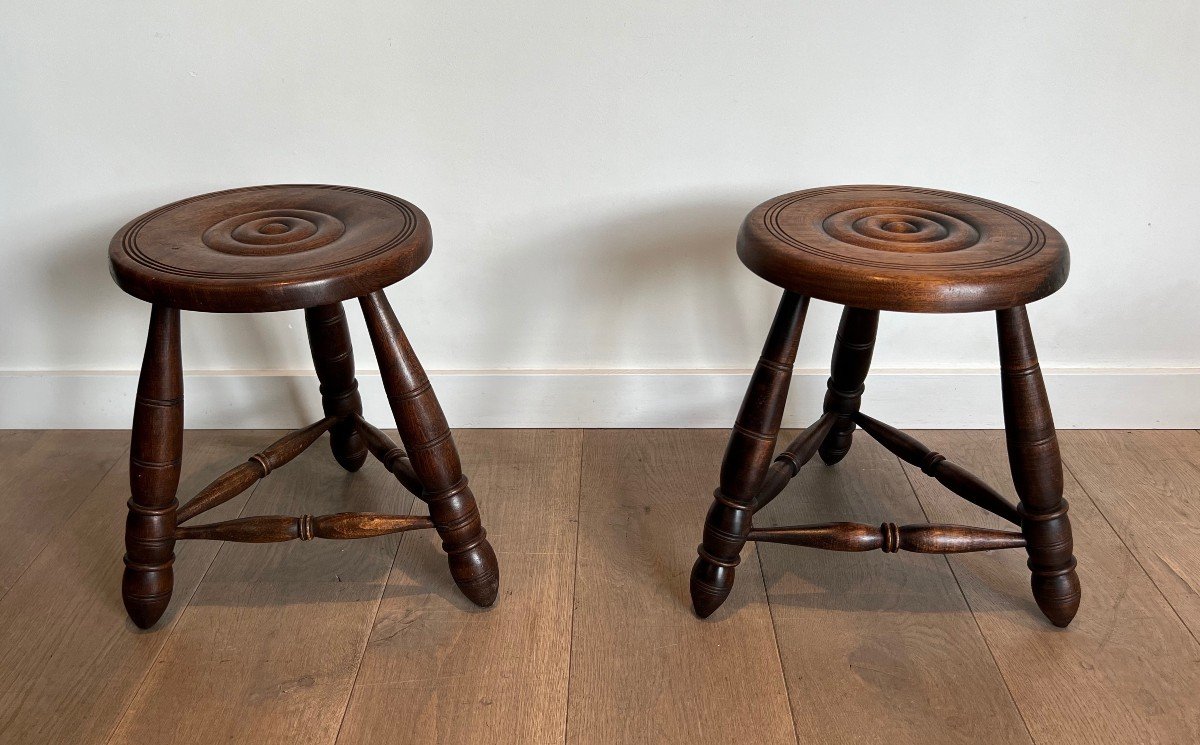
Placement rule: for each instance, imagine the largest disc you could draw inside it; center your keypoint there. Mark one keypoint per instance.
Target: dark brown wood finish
(903, 248)
(792, 458)
(1036, 467)
(391, 455)
(278, 528)
(747, 458)
(240, 478)
(430, 446)
(873, 248)
(851, 361)
(333, 358)
(267, 248)
(890, 538)
(272, 248)
(154, 460)
(932, 463)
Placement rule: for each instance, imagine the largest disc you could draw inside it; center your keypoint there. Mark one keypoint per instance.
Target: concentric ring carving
(902, 229)
(273, 232)
(286, 229)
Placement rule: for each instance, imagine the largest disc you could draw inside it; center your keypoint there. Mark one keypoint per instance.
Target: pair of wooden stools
(869, 248)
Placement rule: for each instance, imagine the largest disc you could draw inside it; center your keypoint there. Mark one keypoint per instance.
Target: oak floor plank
(44, 476)
(438, 669)
(643, 667)
(876, 642)
(1126, 670)
(1147, 485)
(70, 660)
(269, 646)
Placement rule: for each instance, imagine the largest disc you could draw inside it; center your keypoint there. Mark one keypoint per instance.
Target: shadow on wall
(660, 288)
(93, 319)
(657, 288)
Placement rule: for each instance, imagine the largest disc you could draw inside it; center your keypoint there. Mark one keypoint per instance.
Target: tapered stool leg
(333, 357)
(1036, 470)
(426, 437)
(851, 362)
(747, 457)
(154, 460)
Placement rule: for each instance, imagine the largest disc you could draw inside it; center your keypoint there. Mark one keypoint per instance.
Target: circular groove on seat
(903, 248)
(266, 248)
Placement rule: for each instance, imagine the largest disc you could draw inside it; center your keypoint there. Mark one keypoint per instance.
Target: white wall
(585, 166)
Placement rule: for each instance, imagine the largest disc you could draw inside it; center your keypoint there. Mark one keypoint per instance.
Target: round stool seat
(901, 248)
(268, 248)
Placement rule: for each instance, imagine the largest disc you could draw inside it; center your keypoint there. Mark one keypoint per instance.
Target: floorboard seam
(995, 661)
(762, 573)
(1129, 550)
(583, 437)
(371, 627)
(50, 538)
(178, 620)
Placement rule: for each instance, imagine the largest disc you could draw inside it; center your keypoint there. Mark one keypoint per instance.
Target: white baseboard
(1115, 398)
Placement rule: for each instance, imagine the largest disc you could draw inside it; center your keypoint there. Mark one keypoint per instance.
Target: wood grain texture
(155, 455)
(903, 248)
(269, 248)
(935, 465)
(429, 444)
(280, 528)
(920, 538)
(70, 660)
(44, 477)
(1035, 464)
(333, 358)
(1147, 485)
(269, 647)
(747, 460)
(434, 671)
(240, 478)
(868, 637)
(643, 668)
(877, 644)
(1126, 671)
(852, 351)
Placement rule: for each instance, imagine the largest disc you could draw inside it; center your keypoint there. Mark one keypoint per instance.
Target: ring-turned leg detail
(333, 357)
(851, 362)
(747, 458)
(427, 439)
(154, 460)
(1036, 470)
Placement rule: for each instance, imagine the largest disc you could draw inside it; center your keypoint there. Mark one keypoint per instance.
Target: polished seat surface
(267, 248)
(903, 248)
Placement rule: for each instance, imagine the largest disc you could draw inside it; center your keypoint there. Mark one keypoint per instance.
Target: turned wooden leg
(333, 357)
(154, 460)
(851, 361)
(747, 457)
(1036, 470)
(426, 438)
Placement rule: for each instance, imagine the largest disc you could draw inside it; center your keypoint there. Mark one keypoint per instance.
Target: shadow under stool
(895, 248)
(274, 248)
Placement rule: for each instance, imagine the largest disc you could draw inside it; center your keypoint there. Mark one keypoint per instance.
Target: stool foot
(333, 357)
(430, 448)
(154, 459)
(1036, 467)
(1057, 595)
(710, 584)
(146, 592)
(851, 361)
(747, 457)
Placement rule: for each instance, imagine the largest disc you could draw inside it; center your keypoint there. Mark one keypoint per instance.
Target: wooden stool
(895, 248)
(271, 248)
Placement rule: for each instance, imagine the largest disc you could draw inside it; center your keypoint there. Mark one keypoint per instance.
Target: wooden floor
(593, 640)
